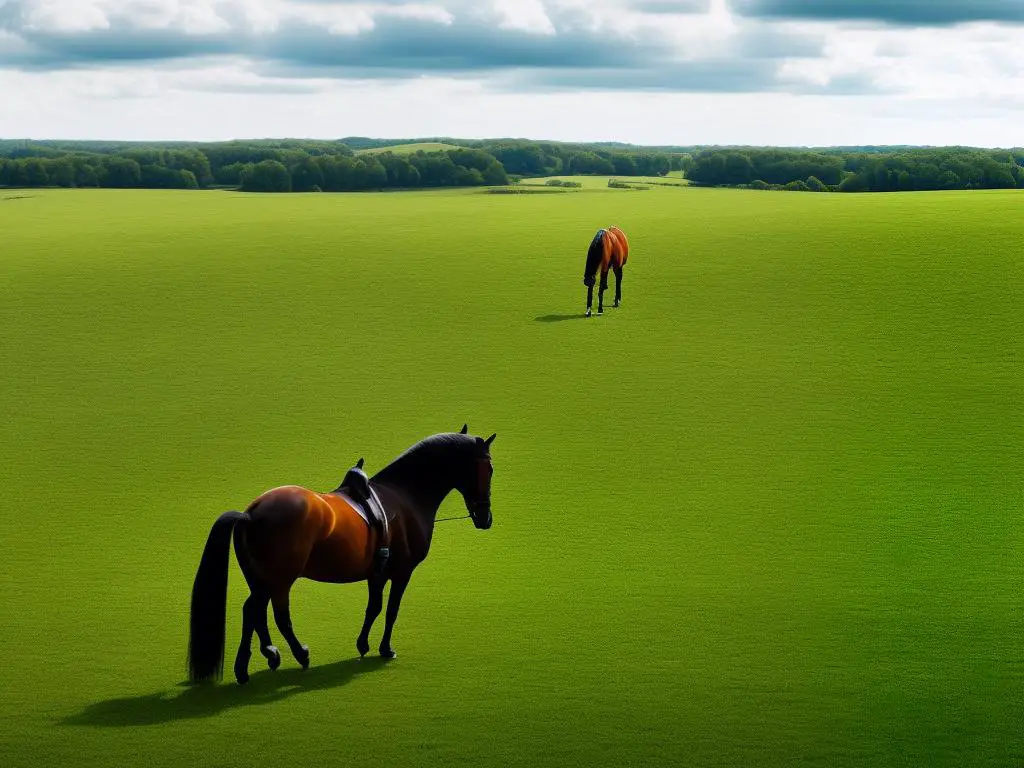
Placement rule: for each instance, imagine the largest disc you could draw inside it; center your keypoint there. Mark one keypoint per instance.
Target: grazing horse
(608, 250)
(293, 532)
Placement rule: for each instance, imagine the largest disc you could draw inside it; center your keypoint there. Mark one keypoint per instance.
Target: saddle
(357, 491)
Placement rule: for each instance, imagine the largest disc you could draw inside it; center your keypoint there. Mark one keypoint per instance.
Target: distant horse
(293, 532)
(608, 250)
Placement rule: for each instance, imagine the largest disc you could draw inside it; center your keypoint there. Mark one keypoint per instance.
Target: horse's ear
(464, 430)
(359, 464)
(490, 440)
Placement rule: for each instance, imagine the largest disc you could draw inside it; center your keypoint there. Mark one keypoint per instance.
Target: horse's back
(280, 501)
(621, 252)
(294, 531)
(295, 506)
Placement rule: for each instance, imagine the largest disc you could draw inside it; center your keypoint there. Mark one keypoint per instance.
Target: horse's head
(475, 481)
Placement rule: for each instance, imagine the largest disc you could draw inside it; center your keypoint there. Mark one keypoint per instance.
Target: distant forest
(335, 166)
(309, 166)
(869, 169)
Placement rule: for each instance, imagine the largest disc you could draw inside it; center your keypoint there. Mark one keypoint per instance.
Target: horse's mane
(594, 254)
(425, 451)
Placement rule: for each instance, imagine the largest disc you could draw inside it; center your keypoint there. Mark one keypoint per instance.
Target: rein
(446, 519)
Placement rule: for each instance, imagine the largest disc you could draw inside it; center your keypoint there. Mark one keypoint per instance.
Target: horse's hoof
(388, 653)
(600, 312)
(303, 657)
(242, 669)
(588, 313)
(363, 646)
(273, 657)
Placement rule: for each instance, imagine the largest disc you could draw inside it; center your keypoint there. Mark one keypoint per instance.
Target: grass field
(768, 513)
(409, 149)
(592, 183)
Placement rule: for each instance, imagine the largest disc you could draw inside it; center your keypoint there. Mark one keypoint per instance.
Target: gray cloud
(571, 60)
(900, 12)
(59, 51)
(709, 76)
(394, 43)
(762, 41)
(726, 76)
(397, 47)
(671, 6)
(412, 44)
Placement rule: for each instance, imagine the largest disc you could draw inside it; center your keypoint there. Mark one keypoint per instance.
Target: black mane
(423, 458)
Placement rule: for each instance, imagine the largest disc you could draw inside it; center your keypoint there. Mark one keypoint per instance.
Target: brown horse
(608, 250)
(293, 532)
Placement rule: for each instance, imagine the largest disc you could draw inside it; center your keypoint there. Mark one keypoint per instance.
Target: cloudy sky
(794, 72)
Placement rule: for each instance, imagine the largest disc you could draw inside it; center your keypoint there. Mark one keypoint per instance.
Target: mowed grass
(409, 149)
(595, 183)
(767, 513)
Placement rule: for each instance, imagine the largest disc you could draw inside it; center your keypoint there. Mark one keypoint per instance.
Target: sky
(680, 72)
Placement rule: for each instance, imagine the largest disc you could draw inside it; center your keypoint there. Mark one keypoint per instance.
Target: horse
(608, 250)
(292, 532)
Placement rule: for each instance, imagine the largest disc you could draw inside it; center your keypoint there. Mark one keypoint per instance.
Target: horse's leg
(590, 298)
(398, 585)
(282, 616)
(245, 646)
(254, 619)
(374, 602)
(250, 620)
(254, 616)
(618, 286)
(259, 610)
(600, 293)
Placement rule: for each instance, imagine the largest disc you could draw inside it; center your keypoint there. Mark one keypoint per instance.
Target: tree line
(523, 157)
(385, 170)
(304, 166)
(889, 169)
(156, 169)
(536, 158)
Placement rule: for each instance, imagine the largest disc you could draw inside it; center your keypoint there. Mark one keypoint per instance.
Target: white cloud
(954, 63)
(65, 15)
(525, 15)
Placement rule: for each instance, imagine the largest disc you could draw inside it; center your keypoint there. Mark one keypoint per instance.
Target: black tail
(209, 602)
(594, 255)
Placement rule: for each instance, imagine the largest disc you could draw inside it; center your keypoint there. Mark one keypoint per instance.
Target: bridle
(446, 519)
(484, 478)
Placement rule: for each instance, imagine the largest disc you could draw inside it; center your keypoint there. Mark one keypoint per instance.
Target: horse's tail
(595, 254)
(209, 602)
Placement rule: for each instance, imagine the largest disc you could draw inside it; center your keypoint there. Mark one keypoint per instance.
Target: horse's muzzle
(481, 515)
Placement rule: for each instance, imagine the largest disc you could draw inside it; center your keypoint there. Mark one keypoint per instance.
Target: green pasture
(409, 149)
(594, 183)
(768, 513)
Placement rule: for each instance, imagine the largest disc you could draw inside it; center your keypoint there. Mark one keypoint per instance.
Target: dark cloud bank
(899, 12)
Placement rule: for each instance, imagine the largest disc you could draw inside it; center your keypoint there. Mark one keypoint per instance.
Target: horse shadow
(559, 318)
(199, 701)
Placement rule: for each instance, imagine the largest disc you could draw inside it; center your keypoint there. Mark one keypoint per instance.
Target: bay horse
(292, 532)
(608, 250)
